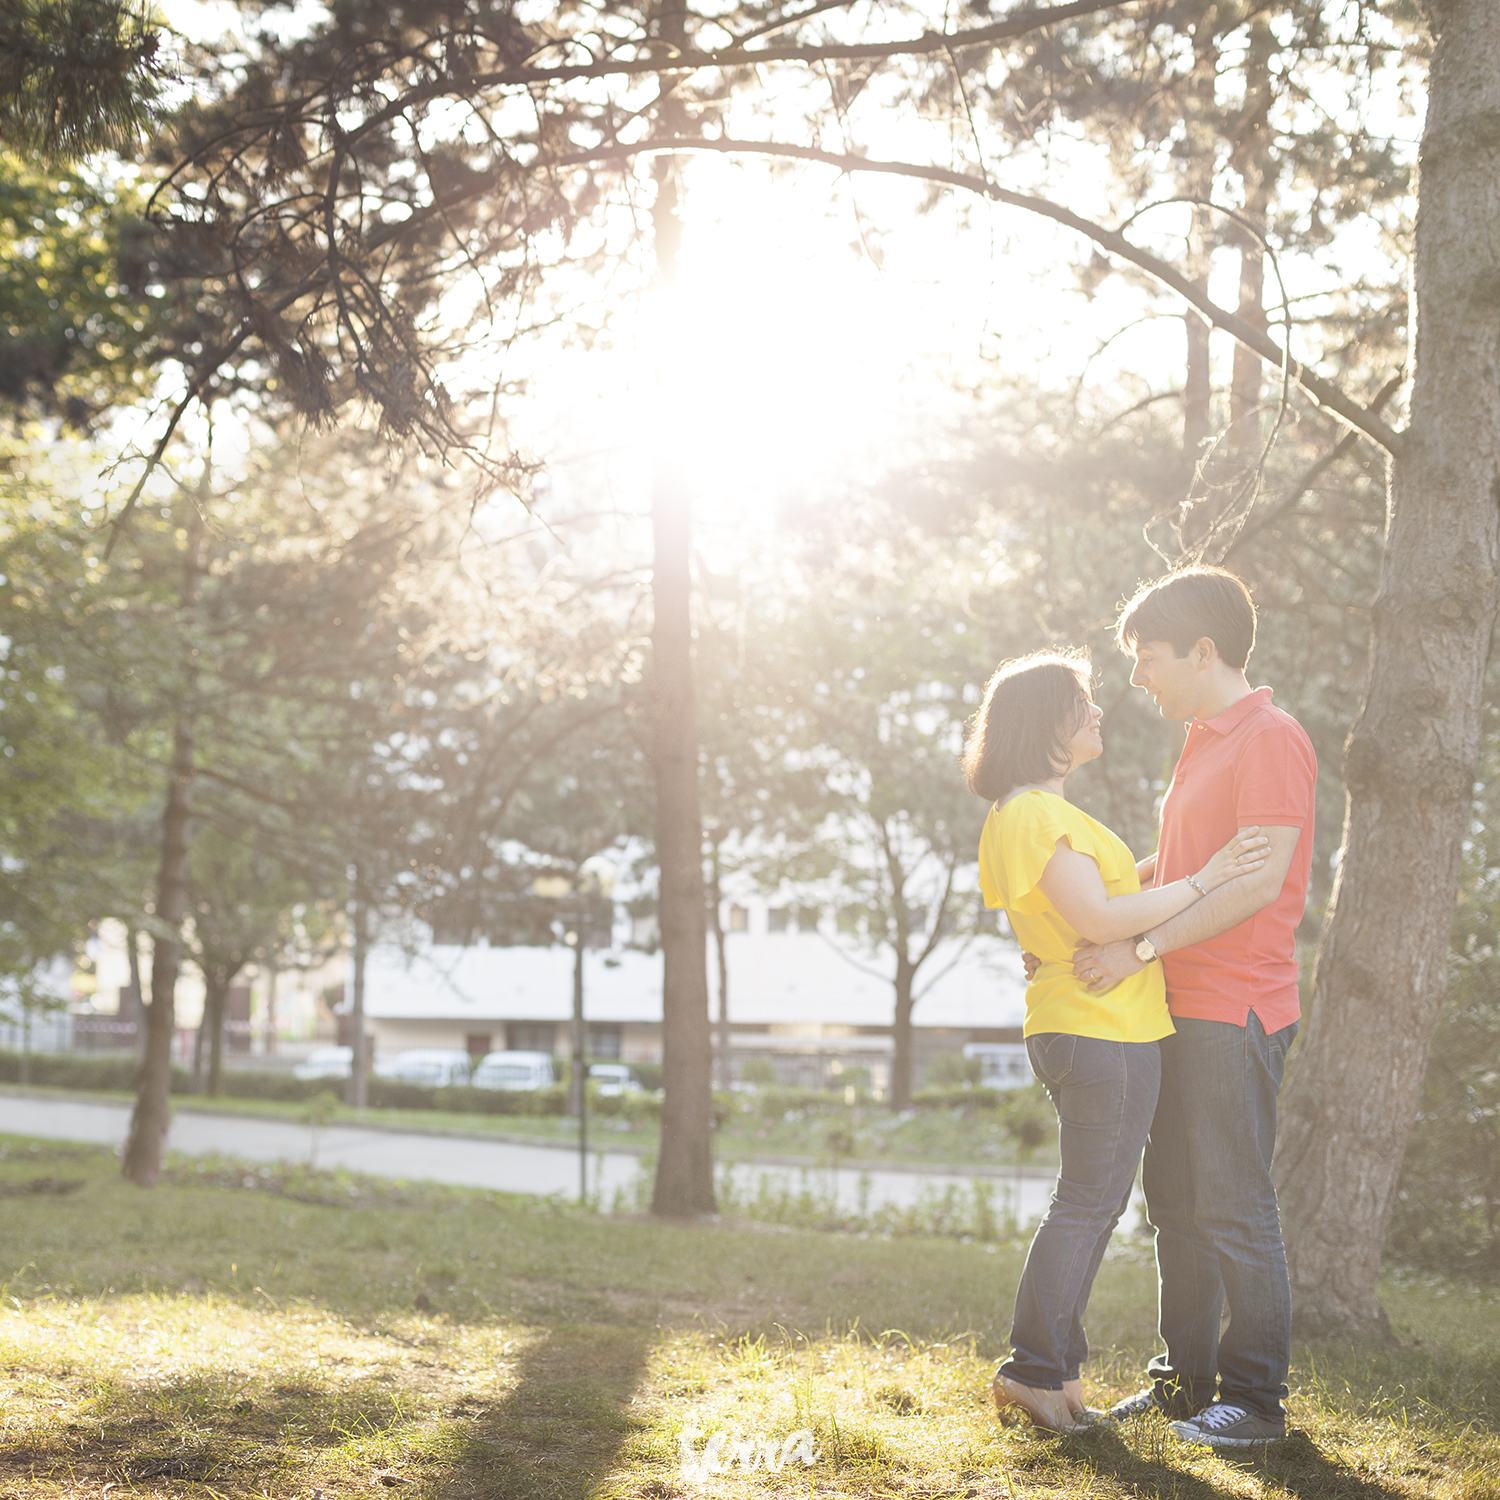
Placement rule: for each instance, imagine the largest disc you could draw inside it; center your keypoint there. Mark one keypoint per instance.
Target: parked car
(325, 1062)
(429, 1067)
(514, 1070)
(612, 1079)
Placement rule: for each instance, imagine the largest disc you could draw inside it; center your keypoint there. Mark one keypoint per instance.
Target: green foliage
(68, 764)
(949, 1069)
(78, 333)
(77, 76)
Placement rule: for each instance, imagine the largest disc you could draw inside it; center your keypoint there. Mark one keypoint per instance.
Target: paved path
(470, 1161)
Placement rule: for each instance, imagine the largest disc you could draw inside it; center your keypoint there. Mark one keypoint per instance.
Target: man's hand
(1103, 965)
(1032, 963)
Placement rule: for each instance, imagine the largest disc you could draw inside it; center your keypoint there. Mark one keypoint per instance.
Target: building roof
(789, 978)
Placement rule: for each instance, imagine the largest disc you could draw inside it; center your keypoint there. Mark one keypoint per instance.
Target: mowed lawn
(248, 1334)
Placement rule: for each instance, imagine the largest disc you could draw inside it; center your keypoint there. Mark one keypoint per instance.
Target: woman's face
(1087, 742)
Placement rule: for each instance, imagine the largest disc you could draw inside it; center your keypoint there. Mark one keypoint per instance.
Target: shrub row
(119, 1074)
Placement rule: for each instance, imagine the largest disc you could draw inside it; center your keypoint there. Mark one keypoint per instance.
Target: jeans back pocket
(1051, 1054)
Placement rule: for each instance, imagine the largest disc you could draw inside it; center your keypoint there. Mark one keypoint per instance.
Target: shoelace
(1220, 1415)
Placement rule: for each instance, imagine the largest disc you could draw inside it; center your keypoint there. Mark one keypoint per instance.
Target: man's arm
(1217, 912)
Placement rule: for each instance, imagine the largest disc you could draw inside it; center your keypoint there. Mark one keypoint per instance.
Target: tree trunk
(269, 1034)
(359, 1062)
(901, 1060)
(1411, 758)
(1200, 143)
(216, 994)
(716, 925)
(152, 1115)
(138, 1011)
(684, 1171)
(1252, 156)
(195, 1082)
(577, 1080)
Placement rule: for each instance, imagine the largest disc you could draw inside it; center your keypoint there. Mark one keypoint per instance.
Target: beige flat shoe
(1048, 1410)
(1083, 1415)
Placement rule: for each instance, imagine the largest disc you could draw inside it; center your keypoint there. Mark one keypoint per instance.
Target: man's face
(1173, 681)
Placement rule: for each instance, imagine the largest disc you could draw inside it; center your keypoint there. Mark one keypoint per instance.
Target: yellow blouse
(1019, 837)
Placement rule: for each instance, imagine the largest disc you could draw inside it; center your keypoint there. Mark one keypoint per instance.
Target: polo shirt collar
(1236, 714)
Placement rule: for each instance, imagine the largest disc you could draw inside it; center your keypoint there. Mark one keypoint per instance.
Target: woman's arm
(1145, 869)
(1072, 883)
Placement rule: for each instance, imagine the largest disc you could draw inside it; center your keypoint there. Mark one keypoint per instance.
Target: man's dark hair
(1184, 607)
(1032, 707)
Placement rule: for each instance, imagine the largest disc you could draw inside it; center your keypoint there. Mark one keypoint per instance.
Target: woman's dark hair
(1032, 707)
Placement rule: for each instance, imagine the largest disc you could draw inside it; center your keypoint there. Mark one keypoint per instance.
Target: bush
(550, 1101)
(952, 1069)
(257, 1085)
(69, 1070)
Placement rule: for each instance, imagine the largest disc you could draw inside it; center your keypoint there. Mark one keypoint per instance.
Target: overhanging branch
(1324, 392)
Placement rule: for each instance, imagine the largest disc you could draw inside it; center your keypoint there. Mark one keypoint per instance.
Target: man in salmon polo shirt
(1230, 964)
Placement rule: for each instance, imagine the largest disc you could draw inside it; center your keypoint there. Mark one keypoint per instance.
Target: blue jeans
(1105, 1093)
(1218, 1233)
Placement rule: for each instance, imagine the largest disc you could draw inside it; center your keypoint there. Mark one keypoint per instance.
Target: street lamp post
(584, 893)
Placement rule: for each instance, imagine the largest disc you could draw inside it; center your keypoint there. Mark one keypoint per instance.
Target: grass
(209, 1338)
(933, 1136)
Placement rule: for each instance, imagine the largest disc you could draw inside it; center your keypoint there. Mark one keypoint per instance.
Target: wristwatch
(1145, 950)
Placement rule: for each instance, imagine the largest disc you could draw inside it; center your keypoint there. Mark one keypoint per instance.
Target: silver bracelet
(1192, 881)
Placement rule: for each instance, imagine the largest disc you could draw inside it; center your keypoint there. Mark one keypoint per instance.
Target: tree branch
(1324, 392)
(691, 59)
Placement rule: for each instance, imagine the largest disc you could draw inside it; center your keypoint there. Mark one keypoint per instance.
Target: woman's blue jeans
(1105, 1093)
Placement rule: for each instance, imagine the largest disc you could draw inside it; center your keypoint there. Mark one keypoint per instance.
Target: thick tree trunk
(151, 1116)
(684, 1171)
(1411, 757)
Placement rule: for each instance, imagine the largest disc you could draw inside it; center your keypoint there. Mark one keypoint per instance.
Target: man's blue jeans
(1209, 1198)
(1105, 1093)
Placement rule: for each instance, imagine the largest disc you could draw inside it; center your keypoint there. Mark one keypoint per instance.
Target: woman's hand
(1245, 852)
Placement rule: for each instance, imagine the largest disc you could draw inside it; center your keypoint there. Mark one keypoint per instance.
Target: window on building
(531, 1036)
(776, 919)
(739, 919)
(807, 918)
(604, 1040)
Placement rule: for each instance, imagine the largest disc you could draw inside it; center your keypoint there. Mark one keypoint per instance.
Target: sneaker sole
(1206, 1440)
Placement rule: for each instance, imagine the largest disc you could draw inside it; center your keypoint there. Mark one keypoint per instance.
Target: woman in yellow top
(1062, 877)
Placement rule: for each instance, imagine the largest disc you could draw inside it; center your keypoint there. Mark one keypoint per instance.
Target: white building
(812, 1002)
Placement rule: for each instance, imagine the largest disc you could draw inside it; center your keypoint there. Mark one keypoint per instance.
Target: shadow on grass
(1301, 1468)
(555, 1432)
(561, 1427)
(1153, 1467)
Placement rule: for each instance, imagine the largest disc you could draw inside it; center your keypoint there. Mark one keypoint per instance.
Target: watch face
(1145, 950)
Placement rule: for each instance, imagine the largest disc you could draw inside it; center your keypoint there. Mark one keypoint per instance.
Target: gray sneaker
(1223, 1425)
(1142, 1404)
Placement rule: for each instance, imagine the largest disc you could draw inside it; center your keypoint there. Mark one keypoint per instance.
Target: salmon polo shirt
(1253, 764)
